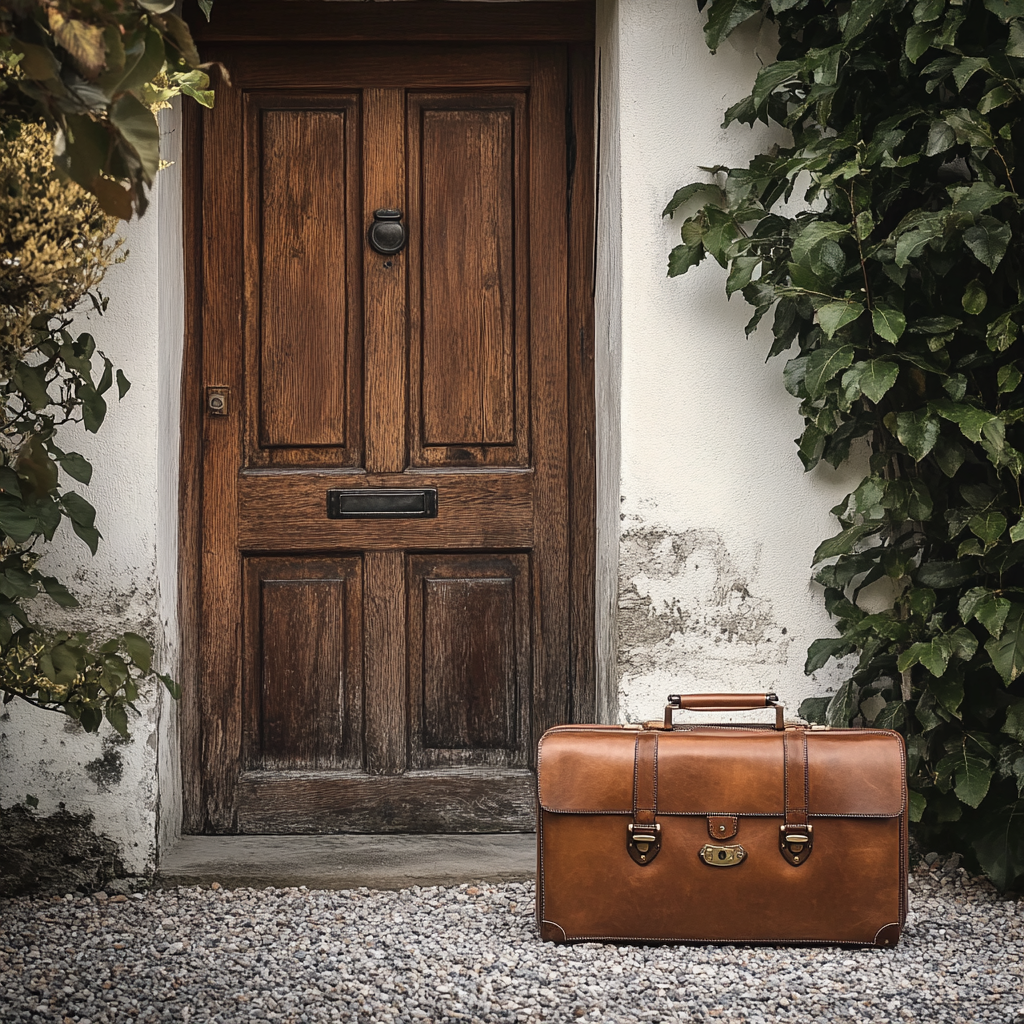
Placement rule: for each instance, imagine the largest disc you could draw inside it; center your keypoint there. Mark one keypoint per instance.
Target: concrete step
(347, 861)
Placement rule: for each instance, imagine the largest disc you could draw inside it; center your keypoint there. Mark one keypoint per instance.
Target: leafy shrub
(80, 84)
(900, 282)
(55, 243)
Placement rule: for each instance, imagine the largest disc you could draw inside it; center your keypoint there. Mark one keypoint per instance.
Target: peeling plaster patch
(689, 620)
(107, 769)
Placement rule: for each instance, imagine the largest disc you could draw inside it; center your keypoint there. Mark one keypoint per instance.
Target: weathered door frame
(565, 21)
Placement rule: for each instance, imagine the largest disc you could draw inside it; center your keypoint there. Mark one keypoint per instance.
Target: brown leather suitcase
(784, 834)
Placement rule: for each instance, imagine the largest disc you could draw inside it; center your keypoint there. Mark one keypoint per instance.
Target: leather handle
(723, 702)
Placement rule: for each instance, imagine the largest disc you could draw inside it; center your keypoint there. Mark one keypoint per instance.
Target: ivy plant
(884, 239)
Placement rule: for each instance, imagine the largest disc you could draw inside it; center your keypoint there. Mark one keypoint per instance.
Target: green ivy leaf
(823, 364)
(843, 706)
(822, 651)
(918, 432)
(843, 543)
(836, 315)
(1014, 724)
(139, 650)
(973, 777)
(975, 298)
(118, 718)
(1008, 378)
(707, 192)
(888, 323)
(76, 467)
(987, 526)
(918, 804)
(1001, 333)
(742, 271)
(724, 16)
(988, 241)
(1007, 650)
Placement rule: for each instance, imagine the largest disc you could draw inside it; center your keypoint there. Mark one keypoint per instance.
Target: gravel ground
(471, 954)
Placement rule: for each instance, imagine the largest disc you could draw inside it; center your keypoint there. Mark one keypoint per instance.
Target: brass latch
(722, 856)
(796, 842)
(644, 842)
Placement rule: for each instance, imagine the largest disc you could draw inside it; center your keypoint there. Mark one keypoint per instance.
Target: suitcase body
(722, 834)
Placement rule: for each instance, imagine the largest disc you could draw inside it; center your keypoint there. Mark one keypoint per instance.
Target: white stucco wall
(718, 521)
(120, 589)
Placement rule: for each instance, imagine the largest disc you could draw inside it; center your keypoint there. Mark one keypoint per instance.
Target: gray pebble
(471, 953)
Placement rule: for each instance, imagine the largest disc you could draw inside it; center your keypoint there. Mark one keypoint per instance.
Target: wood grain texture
(450, 800)
(469, 660)
(582, 429)
(348, 66)
(288, 511)
(190, 479)
(304, 663)
(468, 287)
(384, 298)
(303, 287)
(303, 268)
(549, 389)
(223, 308)
(261, 20)
(385, 665)
(469, 297)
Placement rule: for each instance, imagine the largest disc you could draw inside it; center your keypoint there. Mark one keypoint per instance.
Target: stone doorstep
(347, 861)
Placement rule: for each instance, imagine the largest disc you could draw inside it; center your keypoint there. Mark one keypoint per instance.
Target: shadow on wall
(689, 622)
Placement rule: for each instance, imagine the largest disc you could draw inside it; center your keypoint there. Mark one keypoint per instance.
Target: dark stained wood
(304, 654)
(469, 296)
(469, 659)
(469, 665)
(289, 512)
(303, 252)
(221, 573)
(464, 626)
(303, 264)
(549, 391)
(190, 477)
(257, 20)
(385, 631)
(582, 453)
(384, 306)
(468, 291)
(349, 66)
(449, 800)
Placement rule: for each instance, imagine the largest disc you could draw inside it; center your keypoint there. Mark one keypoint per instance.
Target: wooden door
(368, 674)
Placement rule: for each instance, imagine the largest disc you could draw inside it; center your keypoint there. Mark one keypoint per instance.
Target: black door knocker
(387, 234)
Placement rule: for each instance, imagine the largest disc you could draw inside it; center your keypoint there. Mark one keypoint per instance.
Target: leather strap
(645, 778)
(795, 743)
(796, 835)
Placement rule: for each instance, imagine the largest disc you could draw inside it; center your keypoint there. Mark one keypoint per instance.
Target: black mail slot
(382, 503)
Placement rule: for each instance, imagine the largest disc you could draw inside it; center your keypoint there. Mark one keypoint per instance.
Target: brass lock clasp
(722, 856)
(796, 843)
(643, 842)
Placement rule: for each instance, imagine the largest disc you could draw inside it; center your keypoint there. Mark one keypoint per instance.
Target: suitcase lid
(724, 770)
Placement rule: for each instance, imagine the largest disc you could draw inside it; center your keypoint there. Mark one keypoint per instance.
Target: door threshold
(347, 861)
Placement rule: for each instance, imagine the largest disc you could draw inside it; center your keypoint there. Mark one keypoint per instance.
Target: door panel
(469, 328)
(304, 653)
(469, 659)
(305, 251)
(369, 674)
